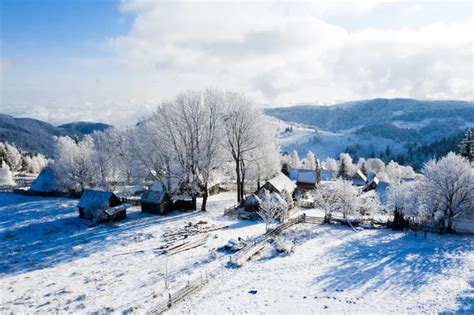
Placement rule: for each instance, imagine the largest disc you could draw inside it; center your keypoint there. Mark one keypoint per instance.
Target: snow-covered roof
(359, 175)
(95, 199)
(45, 182)
(153, 196)
(282, 182)
(302, 175)
(307, 177)
(253, 200)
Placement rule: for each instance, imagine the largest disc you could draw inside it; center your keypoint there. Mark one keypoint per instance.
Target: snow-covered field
(52, 261)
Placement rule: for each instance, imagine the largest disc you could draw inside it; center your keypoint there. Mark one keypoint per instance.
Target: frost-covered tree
(73, 163)
(396, 172)
(361, 166)
(344, 166)
(340, 197)
(13, 157)
(368, 205)
(273, 208)
(449, 184)
(190, 128)
(311, 161)
(245, 133)
(6, 176)
(330, 164)
(376, 166)
(264, 163)
(466, 147)
(295, 161)
(107, 159)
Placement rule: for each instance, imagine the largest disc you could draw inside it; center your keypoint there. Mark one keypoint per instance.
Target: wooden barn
(359, 179)
(157, 202)
(101, 206)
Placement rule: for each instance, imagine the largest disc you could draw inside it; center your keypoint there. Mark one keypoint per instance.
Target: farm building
(156, 200)
(46, 184)
(359, 179)
(101, 206)
(279, 183)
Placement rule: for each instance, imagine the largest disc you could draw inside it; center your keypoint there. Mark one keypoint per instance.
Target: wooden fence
(243, 255)
(184, 291)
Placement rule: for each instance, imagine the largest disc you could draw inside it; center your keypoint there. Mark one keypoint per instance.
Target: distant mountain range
(85, 127)
(37, 136)
(396, 119)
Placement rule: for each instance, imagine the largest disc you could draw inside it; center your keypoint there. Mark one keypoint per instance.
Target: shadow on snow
(37, 233)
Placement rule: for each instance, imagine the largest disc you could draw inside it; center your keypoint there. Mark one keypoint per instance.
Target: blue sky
(113, 61)
(59, 28)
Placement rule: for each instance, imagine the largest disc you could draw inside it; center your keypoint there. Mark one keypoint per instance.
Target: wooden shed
(96, 205)
(157, 202)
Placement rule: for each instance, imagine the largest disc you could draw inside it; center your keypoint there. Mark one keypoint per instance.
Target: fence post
(169, 300)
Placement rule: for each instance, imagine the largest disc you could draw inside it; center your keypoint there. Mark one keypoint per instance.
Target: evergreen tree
(466, 147)
(345, 166)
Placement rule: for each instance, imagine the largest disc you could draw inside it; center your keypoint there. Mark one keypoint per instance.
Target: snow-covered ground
(52, 261)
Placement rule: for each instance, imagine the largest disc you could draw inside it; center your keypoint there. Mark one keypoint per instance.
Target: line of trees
(185, 144)
(21, 161)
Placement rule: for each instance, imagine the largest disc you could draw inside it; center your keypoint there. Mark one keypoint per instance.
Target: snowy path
(52, 261)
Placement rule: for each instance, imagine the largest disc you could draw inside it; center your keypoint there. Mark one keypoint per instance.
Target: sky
(114, 61)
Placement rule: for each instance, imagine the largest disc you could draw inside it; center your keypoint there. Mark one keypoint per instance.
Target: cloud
(278, 53)
(284, 53)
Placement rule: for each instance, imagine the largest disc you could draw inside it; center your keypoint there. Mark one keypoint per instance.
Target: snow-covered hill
(367, 127)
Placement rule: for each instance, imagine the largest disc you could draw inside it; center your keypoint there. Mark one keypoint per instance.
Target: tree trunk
(204, 200)
(237, 172)
(193, 200)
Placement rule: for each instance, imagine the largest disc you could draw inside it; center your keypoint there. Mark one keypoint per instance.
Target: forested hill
(407, 119)
(37, 136)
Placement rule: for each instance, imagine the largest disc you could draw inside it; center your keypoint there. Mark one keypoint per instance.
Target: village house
(156, 200)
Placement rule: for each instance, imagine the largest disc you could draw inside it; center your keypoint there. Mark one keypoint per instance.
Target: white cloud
(279, 53)
(284, 53)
